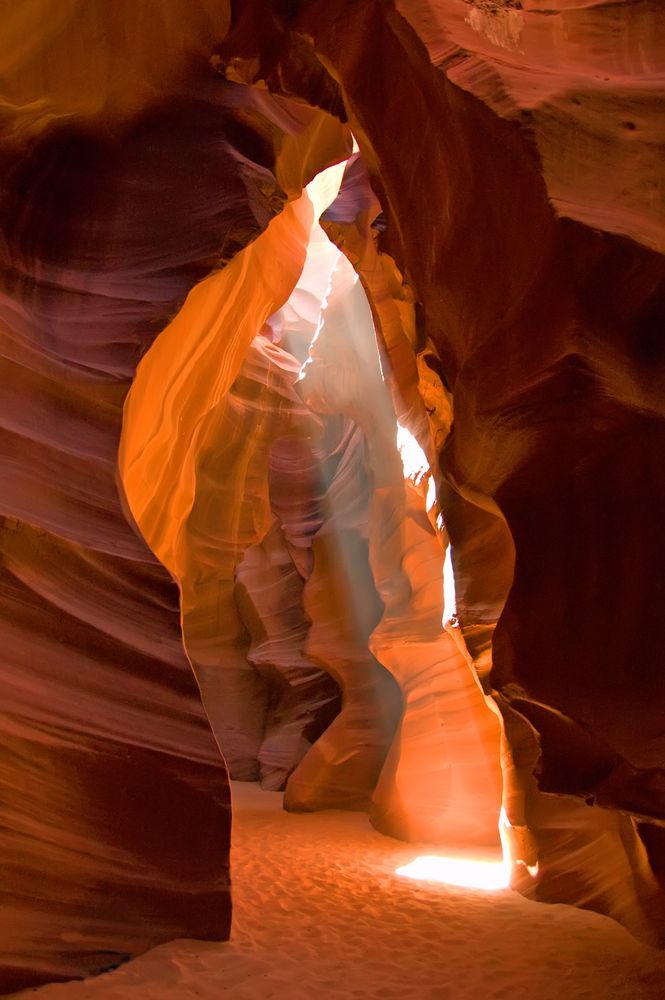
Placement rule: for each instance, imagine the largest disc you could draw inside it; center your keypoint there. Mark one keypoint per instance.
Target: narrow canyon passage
(332, 424)
(320, 913)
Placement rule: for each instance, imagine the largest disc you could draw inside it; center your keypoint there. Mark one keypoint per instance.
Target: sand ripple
(319, 913)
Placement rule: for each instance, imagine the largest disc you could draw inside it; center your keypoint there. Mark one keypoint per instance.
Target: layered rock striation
(129, 172)
(159, 228)
(517, 160)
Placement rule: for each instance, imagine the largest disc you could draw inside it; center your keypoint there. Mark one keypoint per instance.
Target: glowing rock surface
(505, 217)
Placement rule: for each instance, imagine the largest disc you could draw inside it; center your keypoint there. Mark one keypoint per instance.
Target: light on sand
(472, 874)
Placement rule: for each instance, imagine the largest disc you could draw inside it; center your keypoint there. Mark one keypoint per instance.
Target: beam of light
(449, 595)
(414, 459)
(324, 188)
(329, 277)
(468, 873)
(515, 842)
(416, 468)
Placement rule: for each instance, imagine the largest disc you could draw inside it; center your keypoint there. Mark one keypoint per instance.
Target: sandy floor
(319, 913)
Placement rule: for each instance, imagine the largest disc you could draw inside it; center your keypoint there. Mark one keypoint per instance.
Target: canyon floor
(320, 913)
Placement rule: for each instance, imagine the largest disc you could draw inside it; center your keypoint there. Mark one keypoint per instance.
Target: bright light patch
(449, 595)
(430, 499)
(466, 872)
(414, 459)
(324, 188)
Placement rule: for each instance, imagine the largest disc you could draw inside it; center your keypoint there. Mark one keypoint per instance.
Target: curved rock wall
(115, 801)
(129, 172)
(441, 781)
(509, 236)
(517, 158)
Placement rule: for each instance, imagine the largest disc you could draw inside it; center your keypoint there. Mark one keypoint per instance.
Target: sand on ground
(320, 913)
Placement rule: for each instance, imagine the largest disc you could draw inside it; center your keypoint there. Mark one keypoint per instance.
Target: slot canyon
(332, 519)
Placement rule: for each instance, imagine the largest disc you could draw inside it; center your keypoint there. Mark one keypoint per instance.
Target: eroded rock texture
(517, 157)
(442, 780)
(504, 219)
(129, 172)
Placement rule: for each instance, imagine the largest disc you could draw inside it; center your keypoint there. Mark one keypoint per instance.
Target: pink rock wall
(120, 191)
(517, 159)
(508, 232)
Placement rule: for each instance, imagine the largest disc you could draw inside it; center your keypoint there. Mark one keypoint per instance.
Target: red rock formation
(303, 699)
(226, 490)
(525, 128)
(198, 481)
(116, 817)
(442, 780)
(341, 601)
(105, 746)
(510, 246)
